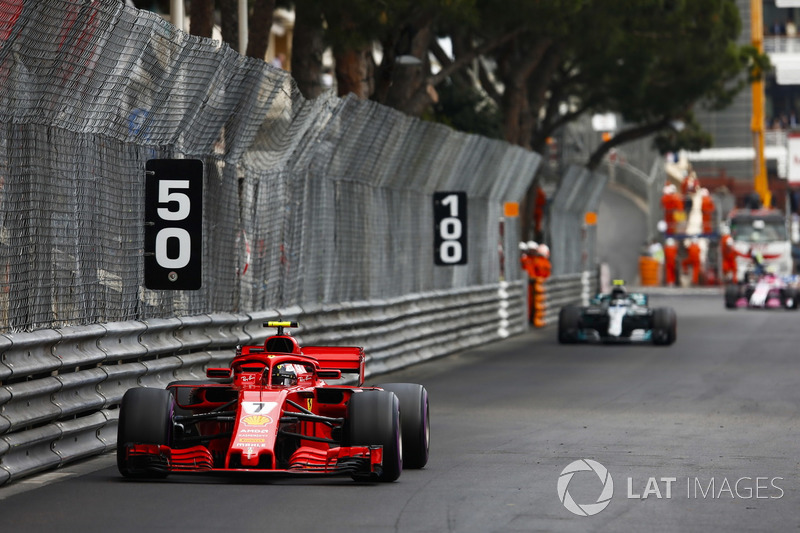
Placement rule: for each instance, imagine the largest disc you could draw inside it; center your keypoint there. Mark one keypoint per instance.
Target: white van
(761, 231)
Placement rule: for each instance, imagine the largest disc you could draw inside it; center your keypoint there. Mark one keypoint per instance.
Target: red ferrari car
(273, 412)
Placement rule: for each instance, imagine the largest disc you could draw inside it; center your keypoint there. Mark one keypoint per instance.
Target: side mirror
(224, 373)
(329, 374)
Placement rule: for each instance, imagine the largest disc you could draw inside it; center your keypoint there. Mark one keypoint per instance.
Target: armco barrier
(59, 397)
(30, 353)
(556, 292)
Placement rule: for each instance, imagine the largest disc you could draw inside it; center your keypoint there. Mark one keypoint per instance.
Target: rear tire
(569, 324)
(414, 422)
(373, 418)
(145, 417)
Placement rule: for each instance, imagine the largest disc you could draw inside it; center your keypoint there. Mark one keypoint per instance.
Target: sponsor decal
(256, 420)
(250, 440)
(253, 431)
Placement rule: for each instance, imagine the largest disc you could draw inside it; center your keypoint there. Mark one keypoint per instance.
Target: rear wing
(347, 359)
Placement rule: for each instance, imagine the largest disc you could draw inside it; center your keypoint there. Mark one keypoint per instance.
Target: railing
(782, 44)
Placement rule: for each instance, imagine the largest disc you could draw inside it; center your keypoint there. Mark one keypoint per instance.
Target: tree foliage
(529, 66)
(543, 63)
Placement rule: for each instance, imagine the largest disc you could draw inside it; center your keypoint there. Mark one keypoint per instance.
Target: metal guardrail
(557, 292)
(60, 389)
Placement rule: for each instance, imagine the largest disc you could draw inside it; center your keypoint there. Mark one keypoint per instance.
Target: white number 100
(450, 231)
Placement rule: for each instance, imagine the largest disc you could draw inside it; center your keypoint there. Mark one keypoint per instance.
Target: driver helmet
(618, 291)
(284, 374)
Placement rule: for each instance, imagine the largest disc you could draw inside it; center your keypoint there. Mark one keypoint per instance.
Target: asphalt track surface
(719, 406)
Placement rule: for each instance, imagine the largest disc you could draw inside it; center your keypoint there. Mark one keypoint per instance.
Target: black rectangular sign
(450, 228)
(173, 224)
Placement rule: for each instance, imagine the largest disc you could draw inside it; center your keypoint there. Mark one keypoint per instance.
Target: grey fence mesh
(574, 241)
(641, 170)
(305, 202)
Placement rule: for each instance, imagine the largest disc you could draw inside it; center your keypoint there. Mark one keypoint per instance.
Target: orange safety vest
(708, 211)
(542, 267)
(528, 265)
(673, 206)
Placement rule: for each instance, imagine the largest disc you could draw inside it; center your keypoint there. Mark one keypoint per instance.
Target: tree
(229, 23)
(259, 26)
(351, 28)
(308, 47)
(541, 63)
(684, 56)
(463, 107)
(202, 22)
(404, 78)
(546, 63)
(650, 61)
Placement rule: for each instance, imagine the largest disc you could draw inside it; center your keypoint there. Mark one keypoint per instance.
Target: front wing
(306, 460)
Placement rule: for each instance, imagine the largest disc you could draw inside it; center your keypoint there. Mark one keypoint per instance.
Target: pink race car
(765, 291)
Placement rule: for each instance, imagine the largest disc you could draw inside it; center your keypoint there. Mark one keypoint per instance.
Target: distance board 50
(173, 225)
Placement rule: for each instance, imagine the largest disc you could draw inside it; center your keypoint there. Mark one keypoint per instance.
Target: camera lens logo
(587, 509)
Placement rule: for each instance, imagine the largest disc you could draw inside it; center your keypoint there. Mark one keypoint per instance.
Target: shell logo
(256, 420)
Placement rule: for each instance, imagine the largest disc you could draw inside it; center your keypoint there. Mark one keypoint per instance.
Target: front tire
(373, 418)
(731, 296)
(145, 417)
(569, 324)
(414, 422)
(790, 298)
(665, 326)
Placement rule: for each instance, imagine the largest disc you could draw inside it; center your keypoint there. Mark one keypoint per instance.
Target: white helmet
(544, 250)
(532, 245)
(670, 242)
(523, 246)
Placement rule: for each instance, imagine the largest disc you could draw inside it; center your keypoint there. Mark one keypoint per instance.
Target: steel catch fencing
(306, 202)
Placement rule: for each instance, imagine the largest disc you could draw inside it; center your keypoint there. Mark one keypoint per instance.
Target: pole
(243, 27)
(760, 184)
(176, 13)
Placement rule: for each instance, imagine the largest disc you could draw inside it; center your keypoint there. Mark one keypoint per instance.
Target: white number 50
(183, 207)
